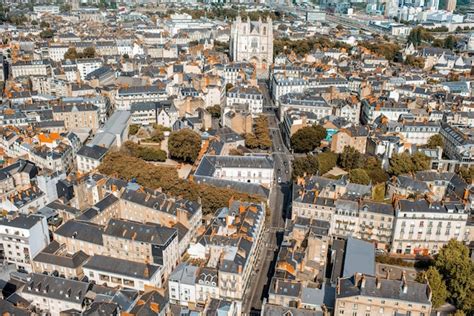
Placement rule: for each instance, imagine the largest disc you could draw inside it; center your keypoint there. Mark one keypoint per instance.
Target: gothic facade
(252, 41)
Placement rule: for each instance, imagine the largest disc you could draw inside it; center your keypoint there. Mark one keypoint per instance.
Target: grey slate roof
(148, 233)
(123, 267)
(359, 257)
(87, 232)
(389, 289)
(57, 288)
(92, 151)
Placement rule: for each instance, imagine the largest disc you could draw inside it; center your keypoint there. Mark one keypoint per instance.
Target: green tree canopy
(359, 176)
(184, 145)
(435, 141)
(308, 165)
(406, 163)
(457, 269)
(215, 110)
(308, 138)
(123, 166)
(437, 285)
(133, 129)
(327, 161)
(351, 158)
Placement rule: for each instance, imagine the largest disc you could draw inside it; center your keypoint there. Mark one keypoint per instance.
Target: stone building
(252, 41)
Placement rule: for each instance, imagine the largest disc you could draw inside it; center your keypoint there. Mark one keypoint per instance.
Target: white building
(87, 65)
(122, 273)
(31, 68)
(250, 96)
(248, 169)
(424, 228)
(127, 96)
(182, 284)
(22, 238)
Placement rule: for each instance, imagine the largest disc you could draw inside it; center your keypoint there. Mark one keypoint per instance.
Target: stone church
(252, 41)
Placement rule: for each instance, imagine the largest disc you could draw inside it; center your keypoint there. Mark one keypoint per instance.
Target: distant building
(253, 42)
(451, 5)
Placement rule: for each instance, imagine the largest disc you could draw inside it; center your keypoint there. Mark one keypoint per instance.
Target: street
(279, 200)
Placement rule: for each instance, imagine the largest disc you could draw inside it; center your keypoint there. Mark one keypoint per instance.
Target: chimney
(404, 282)
(362, 282)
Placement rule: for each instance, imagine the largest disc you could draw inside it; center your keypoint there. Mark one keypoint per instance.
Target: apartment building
(89, 158)
(248, 169)
(143, 242)
(343, 205)
(54, 259)
(157, 207)
(374, 108)
(458, 144)
(77, 115)
(23, 237)
(304, 102)
(250, 95)
(148, 113)
(368, 295)
(31, 68)
(424, 227)
(125, 97)
(117, 272)
(231, 243)
(54, 294)
(282, 84)
(87, 65)
(354, 136)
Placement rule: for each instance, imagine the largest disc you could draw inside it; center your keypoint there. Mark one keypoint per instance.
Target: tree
(44, 25)
(420, 161)
(214, 110)
(327, 161)
(450, 42)
(306, 139)
(48, 33)
(457, 269)
(308, 165)
(467, 174)
(405, 163)
(415, 61)
(184, 145)
(437, 285)
(435, 141)
(89, 52)
(133, 129)
(123, 166)
(359, 176)
(126, 56)
(71, 54)
(251, 140)
(419, 35)
(351, 158)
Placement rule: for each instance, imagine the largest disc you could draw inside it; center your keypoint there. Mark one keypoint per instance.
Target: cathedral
(252, 41)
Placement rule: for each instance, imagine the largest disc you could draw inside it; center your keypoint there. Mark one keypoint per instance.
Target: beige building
(355, 136)
(55, 259)
(367, 295)
(450, 5)
(330, 201)
(241, 123)
(77, 116)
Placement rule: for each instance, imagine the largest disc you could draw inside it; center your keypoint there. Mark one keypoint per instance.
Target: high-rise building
(252, 41)
(450, 5)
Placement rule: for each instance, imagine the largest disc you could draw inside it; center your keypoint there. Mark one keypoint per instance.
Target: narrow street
(279, 200)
